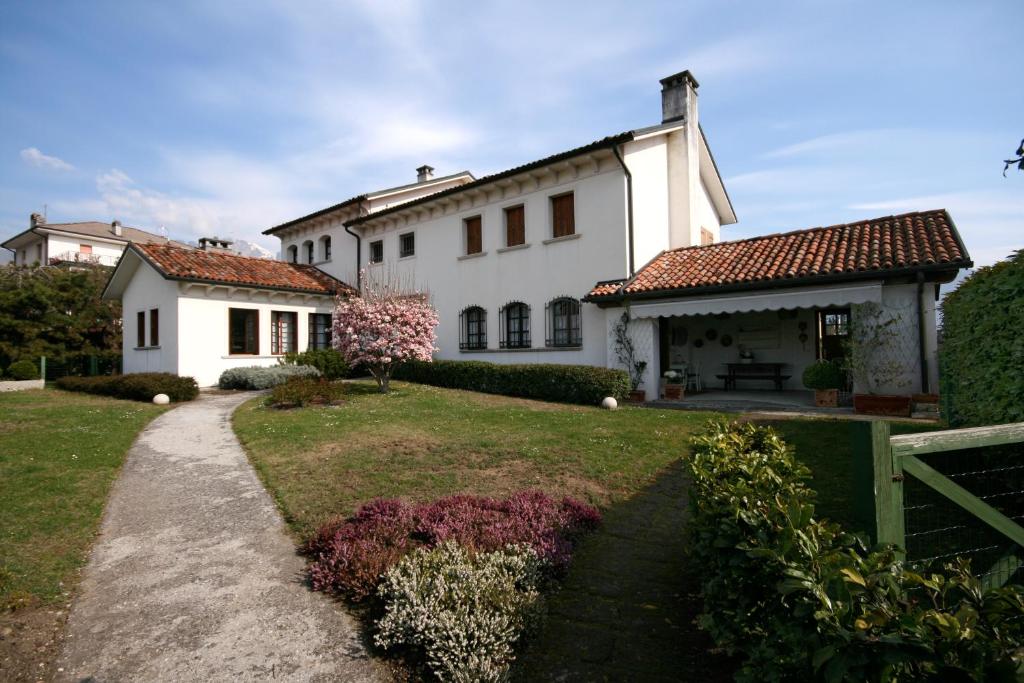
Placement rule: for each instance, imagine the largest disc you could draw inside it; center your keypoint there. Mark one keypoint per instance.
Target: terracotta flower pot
(674, 392)
(637, 396)
(826, 398)
(880, 404)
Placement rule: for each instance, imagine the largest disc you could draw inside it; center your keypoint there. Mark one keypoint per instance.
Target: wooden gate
(967, 496)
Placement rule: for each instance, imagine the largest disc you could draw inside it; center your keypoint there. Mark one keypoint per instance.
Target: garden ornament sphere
(161, 399)
(609, 403)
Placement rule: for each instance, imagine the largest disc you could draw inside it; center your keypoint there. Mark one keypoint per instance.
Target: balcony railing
(81, 257)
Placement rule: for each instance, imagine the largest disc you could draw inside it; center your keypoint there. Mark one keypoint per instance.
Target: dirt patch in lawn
(30, 642)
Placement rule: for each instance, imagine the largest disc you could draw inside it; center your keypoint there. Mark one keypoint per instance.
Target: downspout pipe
(629, 206)
(359, 250)
(925, 389)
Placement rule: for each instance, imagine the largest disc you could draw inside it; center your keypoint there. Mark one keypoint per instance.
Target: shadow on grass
(626, 609)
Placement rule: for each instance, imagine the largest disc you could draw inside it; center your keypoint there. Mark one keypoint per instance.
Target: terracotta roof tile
(870, 247)
(224, 268)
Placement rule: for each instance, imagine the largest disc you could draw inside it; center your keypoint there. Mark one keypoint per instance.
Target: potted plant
(873, 358)
(626, 352)
(826, 378)
(746, 355)
(674, 388)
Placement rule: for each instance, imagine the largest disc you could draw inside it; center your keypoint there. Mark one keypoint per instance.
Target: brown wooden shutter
(563, 218)
(140, 334)
(474, 237)
(515, 226)
(154, 327)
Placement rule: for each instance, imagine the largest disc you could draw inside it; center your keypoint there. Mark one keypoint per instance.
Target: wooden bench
(754, 371)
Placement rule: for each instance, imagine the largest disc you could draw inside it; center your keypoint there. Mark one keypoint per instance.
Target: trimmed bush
(798, 599)
(982, 349)
(349, 557)
(329, 362)
(464, 610)
(23, 370)
(142, 386)
(302, 391)
(824, 375)
(583, 384)
(259, 378)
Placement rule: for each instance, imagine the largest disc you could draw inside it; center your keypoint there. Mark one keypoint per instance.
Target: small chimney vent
(36, 219)
(115, 227)
(215, 244)
(678, 92)
(424, 173)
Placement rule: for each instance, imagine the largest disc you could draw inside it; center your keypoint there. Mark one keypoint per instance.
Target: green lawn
(59, 454)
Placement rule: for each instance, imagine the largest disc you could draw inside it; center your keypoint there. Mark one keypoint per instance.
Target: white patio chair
(693, 380)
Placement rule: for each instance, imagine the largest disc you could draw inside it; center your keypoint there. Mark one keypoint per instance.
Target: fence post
(888, 489)
(42, 368)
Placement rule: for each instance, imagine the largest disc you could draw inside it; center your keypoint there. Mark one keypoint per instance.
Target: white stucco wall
(534, 274)
(648, 163)
(644, 333)
(148, 290)
(108, 252)
(708, 216)
(203, 333)
(901, 302)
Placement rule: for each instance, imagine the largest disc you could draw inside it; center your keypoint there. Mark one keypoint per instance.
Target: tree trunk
(383, 378)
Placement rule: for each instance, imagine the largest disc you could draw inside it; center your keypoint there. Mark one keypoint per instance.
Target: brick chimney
(424, 173)
(115, 227)
(215, 244)
(679, 98)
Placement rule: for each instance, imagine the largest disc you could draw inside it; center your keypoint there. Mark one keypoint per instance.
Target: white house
(197, 312)
(88, 242)
(540, 262)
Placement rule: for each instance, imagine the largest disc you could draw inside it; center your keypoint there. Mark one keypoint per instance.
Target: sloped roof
(100, 230)
(197, 265)
(870, 248)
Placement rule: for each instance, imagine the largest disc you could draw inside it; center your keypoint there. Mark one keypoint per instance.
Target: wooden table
(768, 371)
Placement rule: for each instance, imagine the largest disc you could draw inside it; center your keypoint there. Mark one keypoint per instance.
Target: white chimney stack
(424, 173)
(679, 98)
(115, 227)
(215, 244)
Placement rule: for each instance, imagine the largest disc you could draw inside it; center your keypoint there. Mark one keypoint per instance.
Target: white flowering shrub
(465, 611)
(258, 377)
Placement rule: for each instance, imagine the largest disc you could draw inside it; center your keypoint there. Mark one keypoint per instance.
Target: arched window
(293, 254)
(473, 328)
(307, 249)
(325, 248)
(515, 326)
(563, 322)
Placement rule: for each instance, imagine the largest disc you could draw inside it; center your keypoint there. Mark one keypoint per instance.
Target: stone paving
(625, 611)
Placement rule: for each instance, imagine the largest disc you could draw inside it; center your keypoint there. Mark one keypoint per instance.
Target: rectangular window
(563, 220)
(706, 237)
(319, 330)
(154, 327)
(376, 251)
(515, 226)
(407, 245)
(140, 329)
(282, 332)
(84, 248)
(474, 235)
(243, 331)
(310, 253)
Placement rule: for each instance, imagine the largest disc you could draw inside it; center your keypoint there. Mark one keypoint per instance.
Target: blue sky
(229, 117)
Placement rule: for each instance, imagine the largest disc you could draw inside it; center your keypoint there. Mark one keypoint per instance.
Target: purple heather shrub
(349, 557)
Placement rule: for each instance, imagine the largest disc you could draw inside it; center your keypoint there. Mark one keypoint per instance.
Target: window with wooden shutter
(474, 235)
(706, 237)
(563, 220)
(515, 226)
(140, 329)
(154, 327)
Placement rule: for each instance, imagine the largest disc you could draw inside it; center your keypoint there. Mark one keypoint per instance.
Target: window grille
(562, 322)
(319, 331)
(473, 328)
(515, 326)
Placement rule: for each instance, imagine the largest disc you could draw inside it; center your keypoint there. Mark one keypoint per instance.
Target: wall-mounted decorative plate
(726, 340)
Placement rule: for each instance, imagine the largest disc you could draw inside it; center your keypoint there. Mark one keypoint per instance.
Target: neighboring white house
(88, 242)
(197, 312)
(539, 263)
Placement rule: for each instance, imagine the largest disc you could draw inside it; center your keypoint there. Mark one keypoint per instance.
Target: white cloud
(34, 157)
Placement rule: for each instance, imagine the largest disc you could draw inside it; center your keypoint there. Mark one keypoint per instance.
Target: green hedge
(23, 370)
(546, 382)
(982, 352)
(142, 386)
(797, 599)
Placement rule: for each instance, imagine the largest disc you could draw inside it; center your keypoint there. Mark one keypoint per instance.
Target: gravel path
(193, 577)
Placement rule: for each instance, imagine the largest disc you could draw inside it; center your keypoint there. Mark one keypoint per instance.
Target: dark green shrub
(302, 391)
(824, 375)
(546, 382)
(259, 377)
(982, 351)
(329, 362)
(142, 386)
(798, 599)
(23, 370)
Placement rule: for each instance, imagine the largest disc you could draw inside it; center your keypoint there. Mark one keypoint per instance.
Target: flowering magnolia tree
(383, 328)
